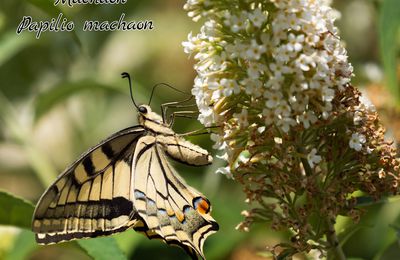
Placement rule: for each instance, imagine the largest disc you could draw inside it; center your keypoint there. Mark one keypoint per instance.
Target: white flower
(225, 171)
(295, 43)
(237, 49)
(285, 123)
(274, 82)
(209, 31)
(229, 87)
(254, 70)
(366, 102)
(243, 158)
(216, 88)
(257, 17)
(299, 102)
(223, 156)
(284, 66)
(255, 51)
(273, 98)
(261, 129)
(315, 84)
(356, 141)
(242, 118)
(253, 87)
(236, 23)
(327, 93)
(313, 158)
(280, 23)
(283, 54)
(279, 68)
(293, 22)
(266, 40)
(190, 45)
(268, 115)
(357, 118)
(305, 62)
(326, 110)
(219, 143)
(306, 118)
(206, 117)
(283, 109)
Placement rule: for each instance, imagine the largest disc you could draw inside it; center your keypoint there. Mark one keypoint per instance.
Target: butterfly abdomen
(184, 151)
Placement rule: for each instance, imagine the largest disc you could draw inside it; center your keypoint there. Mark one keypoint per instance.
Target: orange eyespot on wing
(180, 217)
(202, 205)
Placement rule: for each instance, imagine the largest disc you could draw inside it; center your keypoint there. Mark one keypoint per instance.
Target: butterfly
(126, 181)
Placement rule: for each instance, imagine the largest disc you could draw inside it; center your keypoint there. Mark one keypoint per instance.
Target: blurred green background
(63, 93)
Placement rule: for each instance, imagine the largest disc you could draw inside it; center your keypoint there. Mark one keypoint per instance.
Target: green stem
(335, 252)
(306, 166)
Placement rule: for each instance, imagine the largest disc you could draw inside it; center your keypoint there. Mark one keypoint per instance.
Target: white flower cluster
(283, 55)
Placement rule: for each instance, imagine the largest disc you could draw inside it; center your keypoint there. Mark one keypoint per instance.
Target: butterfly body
(175, 146)
(126, 182)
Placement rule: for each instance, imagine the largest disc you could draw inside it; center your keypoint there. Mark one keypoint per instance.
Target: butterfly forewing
(92, 197)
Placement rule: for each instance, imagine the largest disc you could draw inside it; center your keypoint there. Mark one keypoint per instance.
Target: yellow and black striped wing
(92, 197)
(170, 209)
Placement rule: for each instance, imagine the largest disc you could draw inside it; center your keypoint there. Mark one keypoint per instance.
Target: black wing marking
(92, 196)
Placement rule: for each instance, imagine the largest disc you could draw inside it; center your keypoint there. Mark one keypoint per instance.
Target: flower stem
(335, 251)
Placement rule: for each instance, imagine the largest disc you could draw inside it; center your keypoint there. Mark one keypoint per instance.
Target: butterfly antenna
(166, 85)
(126, 75)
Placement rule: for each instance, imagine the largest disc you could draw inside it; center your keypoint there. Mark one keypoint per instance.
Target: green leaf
(102, 248)
(391, 252)
(366, 201)
(347, 233)
(396, 228)
(46, 6)
(15, 211)
(40, 163)
(53, 11)
(46, 100)
(389, 21)
(128, 240)
(18, 212)
(221, 244)
(23, 246)
(11, 44)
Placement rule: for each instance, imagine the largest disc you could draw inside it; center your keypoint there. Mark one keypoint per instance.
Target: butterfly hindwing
(92, 196)
(171, 210)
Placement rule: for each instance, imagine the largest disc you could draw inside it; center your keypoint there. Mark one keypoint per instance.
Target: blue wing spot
(162, 211)
(151, 202)
(139, 194)
(186, 209)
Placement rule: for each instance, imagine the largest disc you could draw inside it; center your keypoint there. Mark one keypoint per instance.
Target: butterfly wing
(170, 209)
(92, 196)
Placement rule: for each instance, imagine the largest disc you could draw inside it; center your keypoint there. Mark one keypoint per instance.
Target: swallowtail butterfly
(127, 182)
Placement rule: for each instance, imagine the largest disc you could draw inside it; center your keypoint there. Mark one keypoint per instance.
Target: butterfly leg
(176, 104)
(185, 114)
(202, 131)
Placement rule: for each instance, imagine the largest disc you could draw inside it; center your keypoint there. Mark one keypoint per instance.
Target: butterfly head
(145, 113)
(143, 109)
